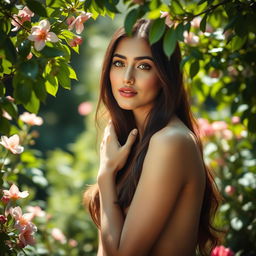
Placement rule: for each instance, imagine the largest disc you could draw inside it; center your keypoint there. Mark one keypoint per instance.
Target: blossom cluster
(22, 222)
(40, 34)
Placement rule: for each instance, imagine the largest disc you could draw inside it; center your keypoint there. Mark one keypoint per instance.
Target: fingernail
(134, 131)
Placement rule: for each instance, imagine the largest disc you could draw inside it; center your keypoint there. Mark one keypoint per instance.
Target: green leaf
(2, 89)
(87, 4)
(51, 85)
(36, 7)
(111, 7)
(22, 88)
(29, 68)
(156, 30)
(130, 20)
(203, 23)
(33, 104)
(170, 41)
(10, 108)
(63, 76)
(24, 48)
(39, 89)
(177, 7)
(4, 125)
(51, 52)
(194, 68)
(237, 43)
(179, 32)
(72, 73)
(9, 49)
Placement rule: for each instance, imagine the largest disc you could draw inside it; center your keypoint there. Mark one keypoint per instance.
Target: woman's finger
(131, 139)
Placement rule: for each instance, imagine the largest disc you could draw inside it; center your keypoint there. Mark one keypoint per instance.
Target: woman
(154, 195)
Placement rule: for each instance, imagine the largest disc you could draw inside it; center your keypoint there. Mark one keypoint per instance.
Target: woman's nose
(129, 76)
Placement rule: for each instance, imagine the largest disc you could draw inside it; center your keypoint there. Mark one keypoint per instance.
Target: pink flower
(14, 193)
(26, 236)
(3, 219)
(235, 119)
(22, 220)
(23, 15)
(167, 17)
(36, 211)
(196, 22)
(72, 242)
(190, 38)
(205, 127)
(29, 56)
(58, 235)
(40, 35)
(222, 251)
(10, 98)
(230, 190)
(75, 41)
(5, 199)
(70, 20)
(6, 115)
(31, 119)
(219, 126)
(85, 108)
(78, 22)
(12, 144)
(227, 134)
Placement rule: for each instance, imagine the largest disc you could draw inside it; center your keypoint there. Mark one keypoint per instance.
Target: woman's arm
(162, 179)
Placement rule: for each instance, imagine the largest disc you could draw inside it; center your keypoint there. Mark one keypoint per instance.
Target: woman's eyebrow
(136, 58)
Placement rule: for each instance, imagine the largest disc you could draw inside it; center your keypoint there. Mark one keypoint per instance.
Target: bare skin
(163, 217)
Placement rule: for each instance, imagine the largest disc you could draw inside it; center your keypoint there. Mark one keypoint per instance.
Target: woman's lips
(127, 92)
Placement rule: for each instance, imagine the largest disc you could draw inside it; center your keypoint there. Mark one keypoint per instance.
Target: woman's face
(133, 75)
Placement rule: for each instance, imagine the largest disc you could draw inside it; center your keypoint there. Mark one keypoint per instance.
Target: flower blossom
(23, 15)
(85, 108)
(222, 251)
(75, 41)
(22, 220)
(36, 211)
(6, 115)
(26, 236)
(205, 127)
(219, 126)
(12, 144)
(58, 235)
(14, 193)
(3, 219)
(230, 190)
(167, 17)
(78, 22)
(31, 119)
(40, 35)
(190, 38)
(235, 119)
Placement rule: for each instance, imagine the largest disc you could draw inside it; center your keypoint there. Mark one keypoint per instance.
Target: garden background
(59, 82)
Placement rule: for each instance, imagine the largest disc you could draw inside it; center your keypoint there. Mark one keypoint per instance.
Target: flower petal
(52, 37)
(45, 25)
(39, 45)
(79, 27)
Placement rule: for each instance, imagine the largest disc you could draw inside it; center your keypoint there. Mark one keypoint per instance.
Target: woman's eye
(118, 63)
(144, 66)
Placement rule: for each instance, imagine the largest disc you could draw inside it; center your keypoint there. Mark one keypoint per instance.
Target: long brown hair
(172, 100)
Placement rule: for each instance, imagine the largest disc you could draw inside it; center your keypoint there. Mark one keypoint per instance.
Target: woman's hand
(113, 156)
